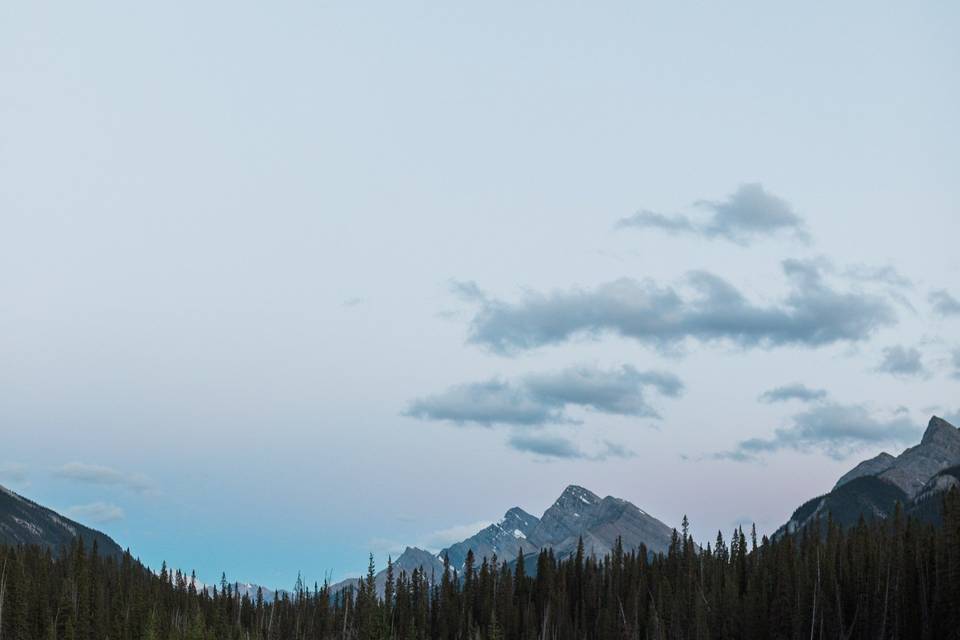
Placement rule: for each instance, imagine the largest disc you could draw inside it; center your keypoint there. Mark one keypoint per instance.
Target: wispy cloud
(96, 512)
(836, 430)
(955, 361)
(100, 475)
(13, 472)
(795, 391)
(943, 303)
(903, 362)
(551, 446)
(543, 398)
(705, 307)
(748, 213)
(885, 274)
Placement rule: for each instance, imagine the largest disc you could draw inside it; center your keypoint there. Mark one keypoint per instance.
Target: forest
(892, 578)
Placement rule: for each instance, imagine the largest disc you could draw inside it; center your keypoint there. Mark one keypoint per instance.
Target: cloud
(99, 512)
(353, 302)
(451, 535)
(885, 274)
(550, 446)
(794, 391)
(902, 362)
(546, 445)
(542, 398)
(836, 430)
(13, 472)
(96, 474)
(748, 213)
(943, 303)
(705, 308)
(955, 360)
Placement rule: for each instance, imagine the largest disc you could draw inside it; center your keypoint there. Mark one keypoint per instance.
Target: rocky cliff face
(579, 513)
(505, 539)
(26, 522)
(939, 449)
(874, 487)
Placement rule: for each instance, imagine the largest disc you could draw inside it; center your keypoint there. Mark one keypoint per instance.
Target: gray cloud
(748, 213)
(550, 446)
(96, 474)
(943, 303)
(13, 472)
(955, 360)
(542, 398)
(834, 429)
(902, 361)
(546, 445)
(795, 391)
(886, 274)
(706, 308)
(98, 512)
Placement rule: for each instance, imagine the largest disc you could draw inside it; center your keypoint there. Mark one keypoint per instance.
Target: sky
(282, 285)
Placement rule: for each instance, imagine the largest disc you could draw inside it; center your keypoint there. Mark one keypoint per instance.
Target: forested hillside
(893, 578)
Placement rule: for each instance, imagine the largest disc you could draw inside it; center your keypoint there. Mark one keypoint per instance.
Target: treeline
(893, 579)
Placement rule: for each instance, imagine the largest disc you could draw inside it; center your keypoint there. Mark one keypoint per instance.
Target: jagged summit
(874, 487)
(574, 496)
(939, 431)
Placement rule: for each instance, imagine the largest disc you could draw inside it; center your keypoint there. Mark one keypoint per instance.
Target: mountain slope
(873, 487)
(581, 513)
(505, 538)
(25, 522)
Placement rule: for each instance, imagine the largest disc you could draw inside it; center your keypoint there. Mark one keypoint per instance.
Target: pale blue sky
(230, 233)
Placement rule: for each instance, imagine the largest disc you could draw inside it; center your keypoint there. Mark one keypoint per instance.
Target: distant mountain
(505, 538)
(412, 558)
(25, 522)
(872, 489)
(581, 513)
(577, 513)
(927, 504)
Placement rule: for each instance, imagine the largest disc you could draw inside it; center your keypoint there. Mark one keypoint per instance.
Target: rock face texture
(873, 488)
(581, 513)
(939, 449)
(872, 467)
(577, 513)
(26, 522)
(505, 539)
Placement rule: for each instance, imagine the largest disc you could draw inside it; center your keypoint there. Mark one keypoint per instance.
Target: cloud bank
(96, 474)
(705, 307)
(902, 362)
(837, 430)
(944, 304)
(542, 398)
(551, 446)
(748, 213)
(795, 391)
(97, 512)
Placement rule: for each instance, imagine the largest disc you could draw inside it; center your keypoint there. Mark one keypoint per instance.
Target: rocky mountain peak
(576, 496)
(940, 432)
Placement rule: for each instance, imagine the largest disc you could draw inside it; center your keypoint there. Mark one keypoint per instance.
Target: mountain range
(916, 479)
(872, 489)
(577, 514)
(26, 523)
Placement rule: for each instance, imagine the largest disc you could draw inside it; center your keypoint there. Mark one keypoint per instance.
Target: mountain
(577, 513)
(927, 504)
(873, 488)
(581, 513)
(25, 522)
(505, 538)
(411, 558)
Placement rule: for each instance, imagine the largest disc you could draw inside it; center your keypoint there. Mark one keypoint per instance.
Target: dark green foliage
(887, 578)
